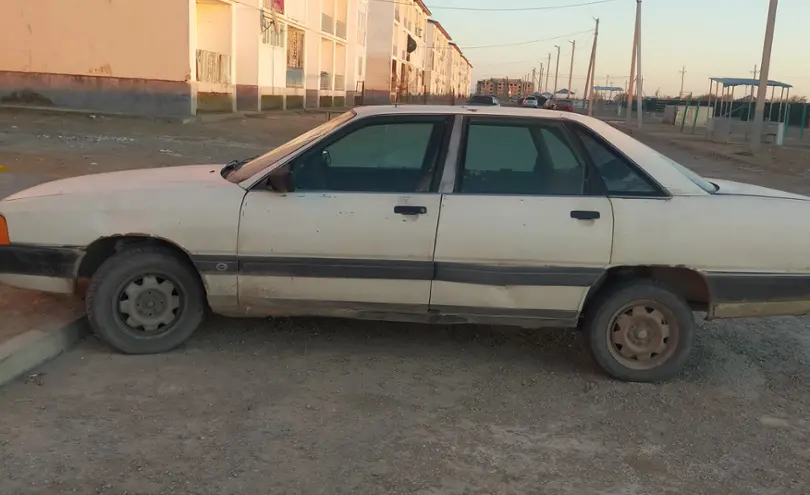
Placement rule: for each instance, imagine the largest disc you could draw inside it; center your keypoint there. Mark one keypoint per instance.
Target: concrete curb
(36, 347)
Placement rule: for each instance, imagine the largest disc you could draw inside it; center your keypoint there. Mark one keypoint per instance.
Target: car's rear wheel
(640, 331)
(145, 300)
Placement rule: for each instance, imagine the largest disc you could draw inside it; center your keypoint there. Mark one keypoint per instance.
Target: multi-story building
(396, 50)
(181, 57)
(311, 53)
(465, 77)
(504, 88)
(436, 65)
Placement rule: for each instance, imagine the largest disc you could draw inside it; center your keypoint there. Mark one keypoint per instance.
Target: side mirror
(281, 180)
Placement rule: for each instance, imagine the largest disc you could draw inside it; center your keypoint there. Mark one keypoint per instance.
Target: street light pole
(548, 70)
(556, 71)
(765, 67)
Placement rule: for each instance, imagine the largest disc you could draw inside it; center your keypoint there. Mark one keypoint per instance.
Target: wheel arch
(103, 248)
(689, 283)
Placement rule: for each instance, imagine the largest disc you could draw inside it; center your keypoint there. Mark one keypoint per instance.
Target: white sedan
(427, 214)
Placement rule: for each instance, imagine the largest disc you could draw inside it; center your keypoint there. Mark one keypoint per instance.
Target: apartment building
(182, 57)
(504, 87)
(310, 53)
(396, 51)
(436, 66)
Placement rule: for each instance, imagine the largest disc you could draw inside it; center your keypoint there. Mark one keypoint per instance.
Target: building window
(360, 66)
(272, 35)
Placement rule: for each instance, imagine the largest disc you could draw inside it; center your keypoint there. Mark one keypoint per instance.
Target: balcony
(326, 81)
(213, 67)
(340, 29)
(327, 24)
(340, 82)
(295, 77)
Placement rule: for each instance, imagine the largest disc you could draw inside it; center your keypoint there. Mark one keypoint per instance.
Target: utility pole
(683, 73)
(557, 71)
(571, 70)
(632, 79)
(589, 82)
(759, 114)
(534, 74)
(755, 76)
(639, 80)
(540, 79)
(548, 70)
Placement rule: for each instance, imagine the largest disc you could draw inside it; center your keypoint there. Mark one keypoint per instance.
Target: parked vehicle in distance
(530, 101)
(563, 105)
(434, 214)
(483, 100)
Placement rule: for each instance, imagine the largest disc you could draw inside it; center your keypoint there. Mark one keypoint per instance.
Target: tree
(797, 99)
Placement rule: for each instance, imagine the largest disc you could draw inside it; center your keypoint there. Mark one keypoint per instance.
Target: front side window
(383, 157)
(619, 177)
(524, 159)
(261, 163)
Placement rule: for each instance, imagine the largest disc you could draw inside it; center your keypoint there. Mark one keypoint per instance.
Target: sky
(712, 38)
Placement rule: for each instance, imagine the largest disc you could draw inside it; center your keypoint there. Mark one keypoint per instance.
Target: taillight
(4, 239)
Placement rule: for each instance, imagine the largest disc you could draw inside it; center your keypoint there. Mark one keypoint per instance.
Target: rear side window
(619, 177)
(519, 159)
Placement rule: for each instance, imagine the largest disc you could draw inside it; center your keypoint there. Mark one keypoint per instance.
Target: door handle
(410, 210)
(585, 214)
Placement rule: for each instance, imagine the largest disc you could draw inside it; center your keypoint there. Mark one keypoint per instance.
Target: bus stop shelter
(725, 87)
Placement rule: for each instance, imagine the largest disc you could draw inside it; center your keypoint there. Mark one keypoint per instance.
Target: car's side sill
(759, 309)
(413, 313)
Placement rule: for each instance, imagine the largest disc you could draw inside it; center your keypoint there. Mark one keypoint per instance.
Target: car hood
(731, 188)
(156, 178)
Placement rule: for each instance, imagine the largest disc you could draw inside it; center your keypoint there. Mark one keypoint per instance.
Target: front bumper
(43, 268)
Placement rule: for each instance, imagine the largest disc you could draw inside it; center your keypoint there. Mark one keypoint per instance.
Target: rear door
(520, 236)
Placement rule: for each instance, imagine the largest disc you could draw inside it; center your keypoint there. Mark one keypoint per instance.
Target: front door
(358, 232)
(519, 237)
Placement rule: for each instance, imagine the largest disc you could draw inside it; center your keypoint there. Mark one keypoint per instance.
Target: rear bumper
(42, 268)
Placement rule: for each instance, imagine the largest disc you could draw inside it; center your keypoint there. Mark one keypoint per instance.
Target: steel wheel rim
(148, 306)
(642, 335)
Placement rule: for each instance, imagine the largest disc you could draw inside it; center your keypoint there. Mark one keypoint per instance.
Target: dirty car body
(428, 214)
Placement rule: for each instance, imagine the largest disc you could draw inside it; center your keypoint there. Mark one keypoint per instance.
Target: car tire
(640, 331)
(145, 300)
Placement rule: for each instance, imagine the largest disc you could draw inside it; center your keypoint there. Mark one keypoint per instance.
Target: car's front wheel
(145, 300)
(640, 331)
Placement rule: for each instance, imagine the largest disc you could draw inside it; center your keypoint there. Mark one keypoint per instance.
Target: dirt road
(328, 406)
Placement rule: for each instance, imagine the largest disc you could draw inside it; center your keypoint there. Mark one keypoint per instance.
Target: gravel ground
(330, 406)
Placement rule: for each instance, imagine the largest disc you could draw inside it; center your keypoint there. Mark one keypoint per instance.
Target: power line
(526, 42)
(507, 9)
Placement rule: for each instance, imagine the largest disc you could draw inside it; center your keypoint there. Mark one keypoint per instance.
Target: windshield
(258, 164)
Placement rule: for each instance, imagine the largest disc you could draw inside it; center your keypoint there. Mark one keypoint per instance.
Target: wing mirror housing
(281, 180)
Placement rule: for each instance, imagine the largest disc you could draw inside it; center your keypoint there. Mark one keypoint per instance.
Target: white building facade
(182, 57)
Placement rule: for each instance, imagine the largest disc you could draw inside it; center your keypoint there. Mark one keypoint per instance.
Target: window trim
(446, 122)
(587, 189)
(574, 128)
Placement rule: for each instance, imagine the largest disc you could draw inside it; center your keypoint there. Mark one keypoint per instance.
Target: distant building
(504, 87)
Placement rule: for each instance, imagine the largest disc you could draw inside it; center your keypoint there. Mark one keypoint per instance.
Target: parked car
(445, 215)
(563, 105)
(483, 100)
(530, 101)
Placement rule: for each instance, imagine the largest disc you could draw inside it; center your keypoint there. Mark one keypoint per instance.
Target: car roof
(365, 111)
